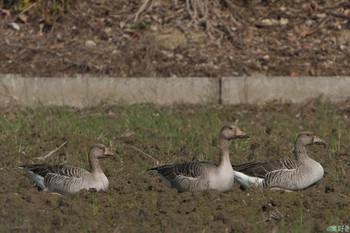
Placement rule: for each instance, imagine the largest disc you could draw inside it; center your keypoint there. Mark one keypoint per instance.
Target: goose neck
(224, 148)
(94, 164)
(300, 151)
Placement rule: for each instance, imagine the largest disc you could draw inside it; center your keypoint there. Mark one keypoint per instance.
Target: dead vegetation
(176, 38)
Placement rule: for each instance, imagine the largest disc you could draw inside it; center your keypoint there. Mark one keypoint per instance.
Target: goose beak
(241, 134)
(319, 141)
(107, 153)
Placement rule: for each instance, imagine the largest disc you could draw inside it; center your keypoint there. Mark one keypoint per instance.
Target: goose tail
(247, 181)
(38, 179)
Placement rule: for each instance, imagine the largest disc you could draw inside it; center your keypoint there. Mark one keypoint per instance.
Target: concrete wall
(91, 91)
(288, 89)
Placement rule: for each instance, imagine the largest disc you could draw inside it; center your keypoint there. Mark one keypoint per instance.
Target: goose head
(100, 151)
(308, 138)
(231, 132)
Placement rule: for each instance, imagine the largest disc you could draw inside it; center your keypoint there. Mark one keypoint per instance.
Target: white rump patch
(39, 180)
(247, 181)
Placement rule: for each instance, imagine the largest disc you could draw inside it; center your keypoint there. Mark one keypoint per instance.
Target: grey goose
(201, 175)
(69, 179)
(284, 173)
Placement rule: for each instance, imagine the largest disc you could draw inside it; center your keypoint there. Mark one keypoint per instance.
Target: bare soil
(137, 201)
(124, 38)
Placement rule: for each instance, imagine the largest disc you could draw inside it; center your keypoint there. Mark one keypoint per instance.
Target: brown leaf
(56, 46)
(110, 114)
(304, 31)
(312, 71)
(293, 38)
(347, 11)
(306, 109)
(293, 73)
(23, 18)
(7, 13)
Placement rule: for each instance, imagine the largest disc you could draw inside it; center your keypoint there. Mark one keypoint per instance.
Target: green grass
(169, 134)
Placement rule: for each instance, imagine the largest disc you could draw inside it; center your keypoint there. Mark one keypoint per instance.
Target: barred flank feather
(192, 169)
(260, 169)
(185, 176)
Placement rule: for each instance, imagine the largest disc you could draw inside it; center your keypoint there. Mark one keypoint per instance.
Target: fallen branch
(338, 15)
(43, 157)
(342, 195)
(141, 9)
(317, 28)
(27, 9)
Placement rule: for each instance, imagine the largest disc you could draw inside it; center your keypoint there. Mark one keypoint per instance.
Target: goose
(69, 179)
(284, 173)
(200, 175)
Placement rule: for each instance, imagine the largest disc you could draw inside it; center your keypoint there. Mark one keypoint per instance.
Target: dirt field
(138, 202)
(153, 38)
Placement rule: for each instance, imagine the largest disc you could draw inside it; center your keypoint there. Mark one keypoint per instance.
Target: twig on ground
(102, 134)
(149, 156)
(141, 9)
(119, 170)
(342, 195)
(43, 157)
(317, 28)
(24, 11)
(339, 15)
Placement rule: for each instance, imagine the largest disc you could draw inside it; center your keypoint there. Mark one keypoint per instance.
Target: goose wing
(64, 170)
(191, 170)
(260, 169)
